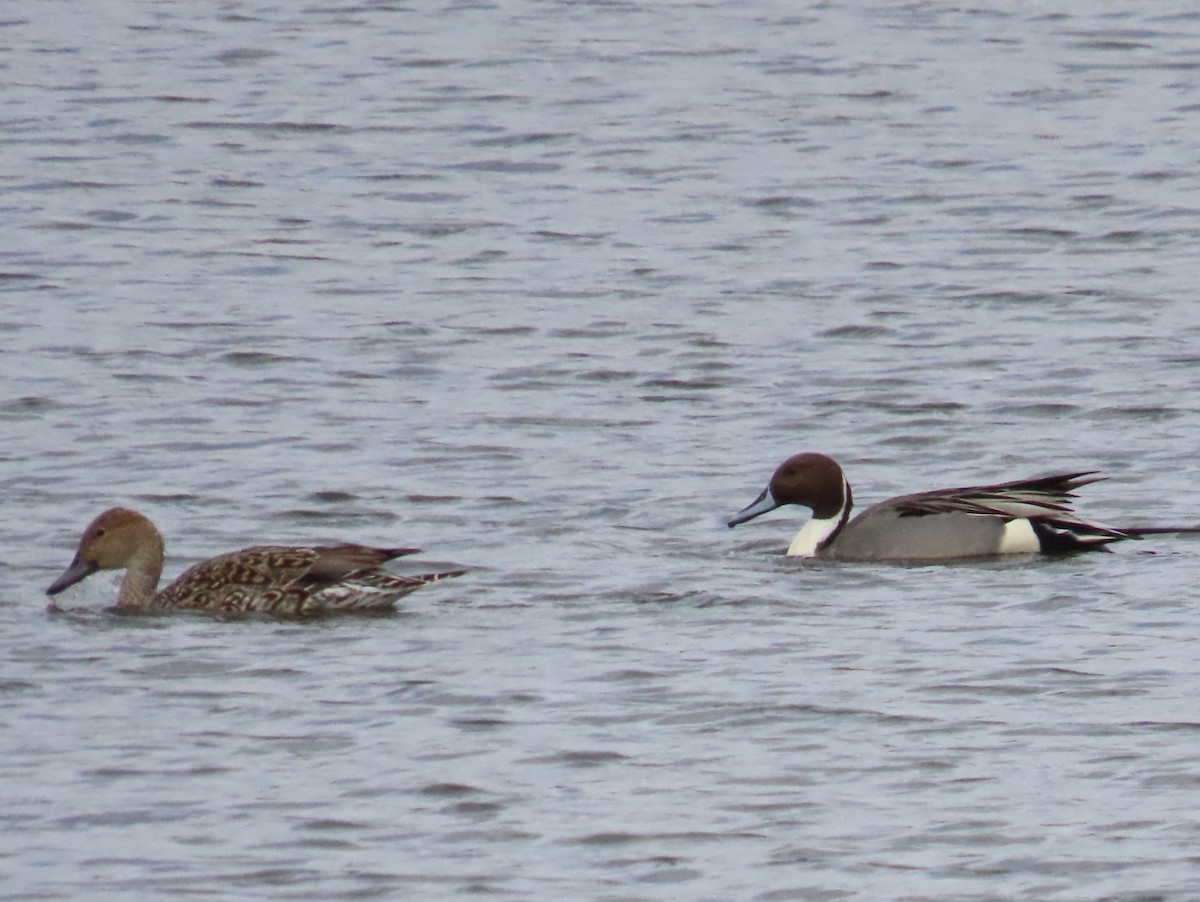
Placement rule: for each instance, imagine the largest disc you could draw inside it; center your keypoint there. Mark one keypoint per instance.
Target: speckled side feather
(294, 581)
(280, 580)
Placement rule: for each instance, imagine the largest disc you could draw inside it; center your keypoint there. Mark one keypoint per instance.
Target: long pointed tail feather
(1160, 530)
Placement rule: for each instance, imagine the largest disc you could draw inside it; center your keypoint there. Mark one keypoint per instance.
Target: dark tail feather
(1160, 530)
(398, 552)
(1068, 536)
(437, 577)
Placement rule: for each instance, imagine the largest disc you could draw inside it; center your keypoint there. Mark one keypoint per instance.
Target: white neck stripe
(812, 536)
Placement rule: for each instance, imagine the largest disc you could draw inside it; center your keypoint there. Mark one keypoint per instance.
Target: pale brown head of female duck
(118, 539)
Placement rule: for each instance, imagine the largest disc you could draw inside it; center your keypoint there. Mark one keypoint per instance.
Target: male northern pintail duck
(282, 580)
(1025, 516)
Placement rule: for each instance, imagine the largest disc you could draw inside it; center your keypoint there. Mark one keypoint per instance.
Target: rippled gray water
(549, 289)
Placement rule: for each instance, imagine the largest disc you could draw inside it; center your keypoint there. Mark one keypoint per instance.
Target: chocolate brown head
(810, 480)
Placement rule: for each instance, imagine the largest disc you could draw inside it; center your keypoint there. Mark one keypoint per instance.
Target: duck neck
(140, 584)
(818, 533)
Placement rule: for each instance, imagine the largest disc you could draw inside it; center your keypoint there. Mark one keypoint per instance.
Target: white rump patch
(1019, 538)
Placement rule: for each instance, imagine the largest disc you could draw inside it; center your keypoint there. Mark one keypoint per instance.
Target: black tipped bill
(79, 569)
(764, 503)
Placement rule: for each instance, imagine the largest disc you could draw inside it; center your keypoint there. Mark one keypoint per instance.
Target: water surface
(549, 290)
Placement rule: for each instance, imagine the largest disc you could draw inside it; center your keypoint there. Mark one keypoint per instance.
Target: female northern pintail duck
(1025, 516)
(283, 580)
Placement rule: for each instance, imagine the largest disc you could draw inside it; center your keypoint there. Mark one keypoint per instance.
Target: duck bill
(764, 503)
(79, 569)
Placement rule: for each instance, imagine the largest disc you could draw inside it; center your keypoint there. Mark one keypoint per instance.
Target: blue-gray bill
(762, 504)
(79, 569)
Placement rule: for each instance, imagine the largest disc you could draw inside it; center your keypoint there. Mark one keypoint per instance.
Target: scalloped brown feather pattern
(294, 581)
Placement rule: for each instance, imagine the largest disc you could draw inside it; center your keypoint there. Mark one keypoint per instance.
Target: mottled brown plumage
(281, 580)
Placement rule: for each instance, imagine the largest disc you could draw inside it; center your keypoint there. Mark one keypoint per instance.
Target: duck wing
(285, 579)
(1045, 502)
(1044, 496)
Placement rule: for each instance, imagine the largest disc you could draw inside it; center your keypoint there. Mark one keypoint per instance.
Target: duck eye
(100, 532)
